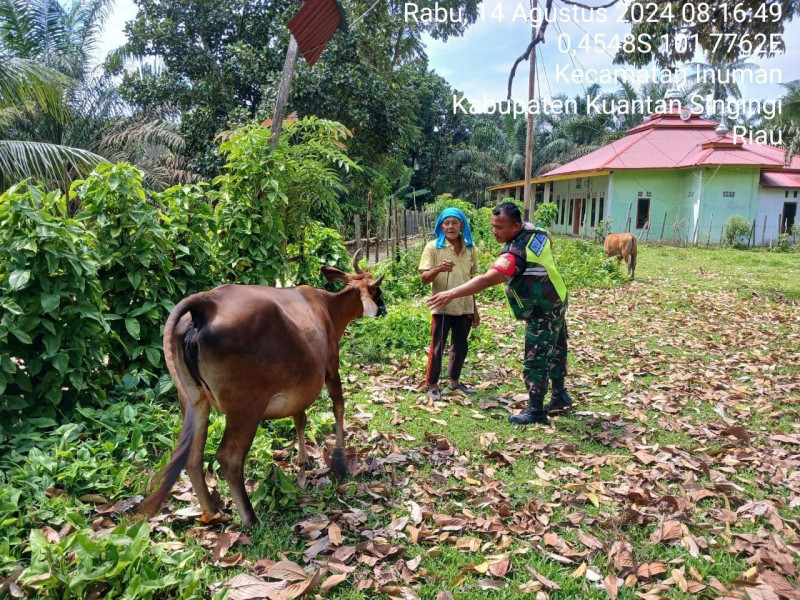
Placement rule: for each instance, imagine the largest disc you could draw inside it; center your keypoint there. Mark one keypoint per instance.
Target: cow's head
(370, 289)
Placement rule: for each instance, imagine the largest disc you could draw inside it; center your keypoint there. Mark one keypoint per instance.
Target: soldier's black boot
(534, 413)
(560, 400)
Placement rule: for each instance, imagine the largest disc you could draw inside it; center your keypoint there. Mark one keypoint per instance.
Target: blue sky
(479, 62)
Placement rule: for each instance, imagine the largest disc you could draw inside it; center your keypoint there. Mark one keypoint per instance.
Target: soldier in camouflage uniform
(538, 296)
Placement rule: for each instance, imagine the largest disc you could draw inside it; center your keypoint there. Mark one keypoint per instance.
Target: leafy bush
(268, 196)
(546, 214)
(736, 231)
(783, 244)
(402, 276)
(51, 326)
(481, 225)
(603, 229)
(584, 265)
(250, 229)
(136, 264)
(447, 201)
(405, 330)
(122, 564)
(188, 217)
(319, 246)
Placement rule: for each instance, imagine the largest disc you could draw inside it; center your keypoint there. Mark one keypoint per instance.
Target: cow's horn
(356, 256)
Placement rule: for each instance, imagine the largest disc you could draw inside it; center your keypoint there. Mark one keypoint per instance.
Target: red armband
(506, 264)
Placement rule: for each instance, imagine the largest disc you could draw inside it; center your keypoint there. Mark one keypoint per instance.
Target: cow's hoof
(339, 463)
(249, 522)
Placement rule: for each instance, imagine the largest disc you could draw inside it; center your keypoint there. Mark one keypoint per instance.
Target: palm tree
(717, 79)
(26, 87)
(78, 120)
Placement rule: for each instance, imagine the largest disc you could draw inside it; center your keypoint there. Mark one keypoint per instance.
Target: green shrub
(136, 264)
(51, 325)
(405, 330)
(481, 225)
(190, 225)
(123, 564)
(546, 214)
(736, 231)
(603, 229)
(584, 265)
(447, 201)
(320, 246)
(268, 196)
(402, 276)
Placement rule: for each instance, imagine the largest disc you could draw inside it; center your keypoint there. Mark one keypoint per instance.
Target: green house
(674, 177)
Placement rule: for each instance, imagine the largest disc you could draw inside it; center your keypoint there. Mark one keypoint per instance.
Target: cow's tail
(634, 253)
(174, 350)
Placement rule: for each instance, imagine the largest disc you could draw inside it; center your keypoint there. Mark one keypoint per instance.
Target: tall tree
(81, 119)
(40, 70)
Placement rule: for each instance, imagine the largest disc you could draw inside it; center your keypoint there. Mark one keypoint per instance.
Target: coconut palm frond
(45, 162)
(144, 132)
(24, 83)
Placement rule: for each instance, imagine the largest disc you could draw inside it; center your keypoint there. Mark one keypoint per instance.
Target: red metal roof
(781, 180)
(666, 141)
(314, 25)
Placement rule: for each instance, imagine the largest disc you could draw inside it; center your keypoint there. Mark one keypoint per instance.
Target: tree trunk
(283, 90)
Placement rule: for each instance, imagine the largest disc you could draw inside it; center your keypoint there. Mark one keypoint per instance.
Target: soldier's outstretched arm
(473, 286)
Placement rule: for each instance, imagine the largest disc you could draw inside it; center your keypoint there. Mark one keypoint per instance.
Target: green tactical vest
(539, 285)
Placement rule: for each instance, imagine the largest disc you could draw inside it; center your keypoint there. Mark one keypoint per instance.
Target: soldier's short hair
(510, 210)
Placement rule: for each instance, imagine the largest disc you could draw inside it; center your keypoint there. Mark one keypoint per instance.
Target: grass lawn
(675, 476)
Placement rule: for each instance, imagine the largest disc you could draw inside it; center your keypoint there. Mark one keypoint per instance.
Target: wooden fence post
(628, 218)
(369, 210)
(764, 231)
(664, 224)
(405, 228)
(752, 237)
(710, 224)
(396, 231)
(357, 227)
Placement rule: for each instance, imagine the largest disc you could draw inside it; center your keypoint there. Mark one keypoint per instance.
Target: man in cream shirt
(447, 262)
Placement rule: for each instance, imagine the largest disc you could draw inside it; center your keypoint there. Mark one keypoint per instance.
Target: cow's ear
(334, 274)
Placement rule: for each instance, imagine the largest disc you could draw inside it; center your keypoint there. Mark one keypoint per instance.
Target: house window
(602, 207)
(786, 194)
(642, 212)
(563, 210)
(795, 194)
(591, 223)
(583, 213)
(571, 210)
(728, 194)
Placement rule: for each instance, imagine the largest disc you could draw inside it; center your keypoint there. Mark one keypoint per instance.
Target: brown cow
(623, 246)
(253, 353)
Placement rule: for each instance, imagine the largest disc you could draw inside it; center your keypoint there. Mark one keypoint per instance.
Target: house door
(789, 216)
(576, 211)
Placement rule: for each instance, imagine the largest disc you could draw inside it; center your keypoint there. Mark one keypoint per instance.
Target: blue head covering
(465, 231)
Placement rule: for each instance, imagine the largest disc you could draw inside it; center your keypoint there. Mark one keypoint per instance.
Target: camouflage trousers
(545, 349)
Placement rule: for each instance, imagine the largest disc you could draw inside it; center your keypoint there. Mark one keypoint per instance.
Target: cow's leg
(334, 384)
(194, 465)
(300, 426)
(240, 429)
